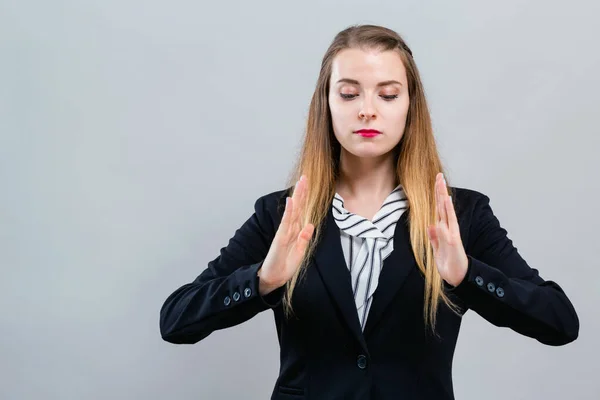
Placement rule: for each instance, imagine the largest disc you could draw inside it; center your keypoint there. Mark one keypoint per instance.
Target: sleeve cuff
(458, 288)
(480, 278)
(242, 292)
(274, 298)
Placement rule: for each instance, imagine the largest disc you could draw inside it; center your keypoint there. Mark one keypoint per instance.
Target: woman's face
(368, 90)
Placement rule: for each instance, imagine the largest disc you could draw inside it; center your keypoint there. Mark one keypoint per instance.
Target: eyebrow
(355, 82)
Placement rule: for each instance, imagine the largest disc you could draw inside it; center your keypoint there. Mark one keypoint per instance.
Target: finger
(296, 200)
(296, 193)
(304, 191)
(431, 232)
(452, 219)
(303, 198)
(306, 233)
(443, 197)
(284, 228)
(442, 233)
(302, 242)
(437, 200)
(440, 200)
(301, 194)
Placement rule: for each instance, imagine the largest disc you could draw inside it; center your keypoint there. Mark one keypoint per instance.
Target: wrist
(265, 285)
(462, 275)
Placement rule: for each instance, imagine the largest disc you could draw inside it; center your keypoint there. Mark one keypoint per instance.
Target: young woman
(370, 260)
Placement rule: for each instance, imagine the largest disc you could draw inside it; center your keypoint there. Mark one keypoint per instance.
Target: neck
(366, 177)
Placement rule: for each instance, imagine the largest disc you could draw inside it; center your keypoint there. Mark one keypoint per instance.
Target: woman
(370, 264)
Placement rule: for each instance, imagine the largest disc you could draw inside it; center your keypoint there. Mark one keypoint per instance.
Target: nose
(367, 110)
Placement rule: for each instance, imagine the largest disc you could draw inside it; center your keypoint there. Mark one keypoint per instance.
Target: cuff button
(236, 296)
(491, 287)
(247, 292)
(500, 292)
(227, 300)
(479, 281)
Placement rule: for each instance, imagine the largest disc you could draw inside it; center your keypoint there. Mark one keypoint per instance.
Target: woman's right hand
(289, 243)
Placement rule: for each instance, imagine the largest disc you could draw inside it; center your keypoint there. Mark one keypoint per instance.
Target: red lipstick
(368, 132)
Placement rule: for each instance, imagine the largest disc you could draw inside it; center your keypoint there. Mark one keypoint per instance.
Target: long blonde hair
(417, 165)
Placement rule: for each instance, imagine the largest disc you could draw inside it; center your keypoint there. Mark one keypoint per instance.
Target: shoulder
(269, 207)
(467, 197)
(473, 213)
(273, 200)
(464, 198)
(469, 203)
(466, 202)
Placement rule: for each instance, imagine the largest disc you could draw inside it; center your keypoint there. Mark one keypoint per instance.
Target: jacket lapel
(396, 268)
(330, 262)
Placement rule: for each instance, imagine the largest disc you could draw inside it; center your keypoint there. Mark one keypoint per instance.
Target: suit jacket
(324, 353)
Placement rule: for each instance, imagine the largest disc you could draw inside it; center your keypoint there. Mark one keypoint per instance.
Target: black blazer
(324, 354)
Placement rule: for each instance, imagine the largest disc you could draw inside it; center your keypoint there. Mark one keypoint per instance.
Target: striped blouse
(366, 244)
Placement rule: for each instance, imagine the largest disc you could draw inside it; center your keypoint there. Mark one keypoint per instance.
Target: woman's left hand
(450, 256)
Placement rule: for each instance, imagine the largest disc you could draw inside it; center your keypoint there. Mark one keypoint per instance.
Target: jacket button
(236, 296)
(247, 292)
(491, 287)
(479, 281)
(500, 292)
(227, 300)
(361, 362)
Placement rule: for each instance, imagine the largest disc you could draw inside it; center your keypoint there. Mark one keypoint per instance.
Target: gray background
(136, 136)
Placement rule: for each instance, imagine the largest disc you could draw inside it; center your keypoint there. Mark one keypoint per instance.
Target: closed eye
(352, 96)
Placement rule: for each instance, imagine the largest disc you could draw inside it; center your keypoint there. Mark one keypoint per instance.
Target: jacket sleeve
(226, 292)
(502, 288)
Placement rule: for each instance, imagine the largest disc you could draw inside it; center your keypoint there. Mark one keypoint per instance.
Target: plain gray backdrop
(136, 136)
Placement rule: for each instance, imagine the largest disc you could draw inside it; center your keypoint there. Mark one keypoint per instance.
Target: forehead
(368, 66)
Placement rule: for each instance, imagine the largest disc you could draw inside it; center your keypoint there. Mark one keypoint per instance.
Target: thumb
(304, 236)
(302, 242)
(433, 236)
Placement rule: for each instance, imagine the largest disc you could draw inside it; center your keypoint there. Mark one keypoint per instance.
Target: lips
(368, 133)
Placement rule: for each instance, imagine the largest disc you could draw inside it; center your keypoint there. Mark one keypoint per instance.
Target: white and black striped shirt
(366, 244)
